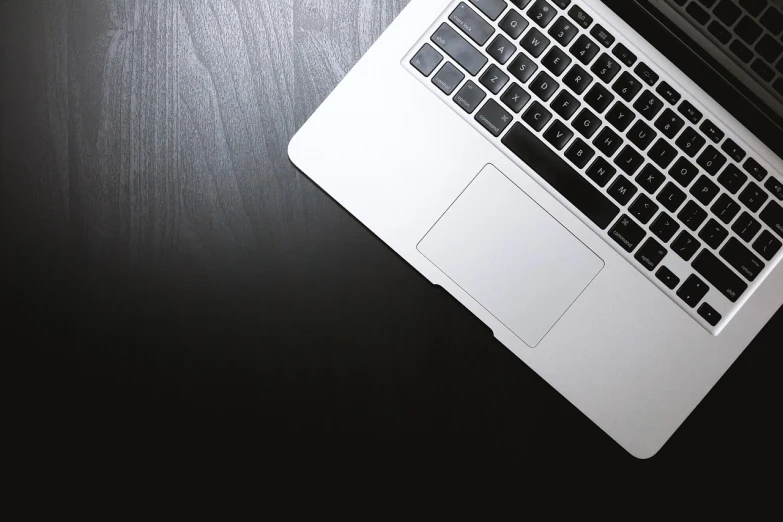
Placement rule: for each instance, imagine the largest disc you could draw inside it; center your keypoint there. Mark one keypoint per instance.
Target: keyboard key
(493, 79)
(544, 86)
(602, 35)
(754, 7)
(535, 42)
(668, 278)
(647, 75)
(764, 71)
(462, 52)
(775, 186)
(522, 68)
(664, 227)
(469, 97)
(579, 153)
(669, 123)
(563, 31)
(668, 93)
(620, 116)
(586, 123)
(734, 151)
(713, 233)
(561, 177)
(692, 215)
(558, 135)
(625, 55)
(712, 131)
(690, 112)
(565, 104)
(725, 208)
(741, 51)
(773, 21)
(683, 172)
(772, 216)
(698, 13)
(601, 172)
(641, 135)
(513, 24)
(686, 246)
(448, 78)
(746, 227)
(426, 60)
(753, 168)
(627, 233)
(580, 17)
(650, 179)
(709, 314)
(704, 190)
(556, 60)
(708, 3)
(643, 209)
(472, 24)
(648, 105)
(562, 4)
(767, 245)
(515, 98)
(577, 79)
(671, 197)
(629, 160)
(778, 85)
(541, 13)
(599, 98)
(622, 190)
(717, 30)
(732, 178)
(693, 290)
(662, 153)
(651, 254)
(491, 8)
(627, 86)
(711, 160)
(493, 117)
(521, 3)
(501, 49)
(727, 12)
(608, 141)
(748, 30)
(537, 116)
(742, 259)
(769, 48)
(605, 68)
(753, 197)
(690, 142)
(584, 49)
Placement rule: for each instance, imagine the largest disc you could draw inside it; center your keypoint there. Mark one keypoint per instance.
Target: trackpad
(511, 256)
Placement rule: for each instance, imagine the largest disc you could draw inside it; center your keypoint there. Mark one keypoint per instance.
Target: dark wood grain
(162, 259)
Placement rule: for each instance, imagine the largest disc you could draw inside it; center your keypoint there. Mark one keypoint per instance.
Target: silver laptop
(615, 227)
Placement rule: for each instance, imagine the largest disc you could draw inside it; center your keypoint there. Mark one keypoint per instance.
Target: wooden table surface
(164, 265)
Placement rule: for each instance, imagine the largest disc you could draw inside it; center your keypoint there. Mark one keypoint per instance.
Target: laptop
(618, 229)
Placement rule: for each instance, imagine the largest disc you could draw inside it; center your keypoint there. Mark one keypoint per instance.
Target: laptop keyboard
(750, 32)
(665, 183)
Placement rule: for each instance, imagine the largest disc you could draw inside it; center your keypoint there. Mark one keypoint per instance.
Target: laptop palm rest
(510, 255)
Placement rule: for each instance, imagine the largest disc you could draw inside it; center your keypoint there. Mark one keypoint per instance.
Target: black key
(627, 86)
(535, 42)
(558, 135)
(767, 245)
(620, 116)
(734, 151)
(493, 117)
(669, 123)
(599, 98)
(522, 68)
(746, 227)
(778, 85)
(692, 215)
(741, 51)
(648, 105)
(772, 215)
(704, 190)
(515, 98)
(643, 209)
(556, 60)
(471, 23)
(650, 179)
(719, 275)
(668, 278)
(668, 93)
(579, 153)
(773, 21)
(629, 160)
(580, 17)
(541, 13)
(521, 3)
(605, 68)
(426, 60)
(641, 135)
(708, 3)
(754, 7)
(711, 160)
(775, 186)
(491, 8)
(727, 12)
(686, 246)
(622, 190)
(467, 56)
(602, 35)
(565, 104)
(717, 30)
(690, 112)
(764, 71)
(753, 168)
(664, 227)
(698, 13)
(544, 86)
(608, 141)
(712, 131)
(513, 24)
(690, 141)
(671, 197)
(647, 75)
(627, 233)
(748, 30)
(769, 48)
(537, 116)
(577, 79)
(753, 197)
(601, 172)
(709, 314)
(624, 54)
(662, 153)
(584, 49)
(562, 4)
(732, 178)
(501, 49)
(469, 97)
(448, 78)
(684, 172)
(693, 290)
(494, 79)
(725, 208)
(586, 123)
(713, 233)
(563, 31)
(651, 254)
(560, 176)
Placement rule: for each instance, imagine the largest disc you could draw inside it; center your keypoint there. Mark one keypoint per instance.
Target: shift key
(719, 275)
(459, 49)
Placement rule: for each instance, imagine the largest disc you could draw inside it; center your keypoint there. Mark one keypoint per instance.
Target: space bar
(561, 176)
